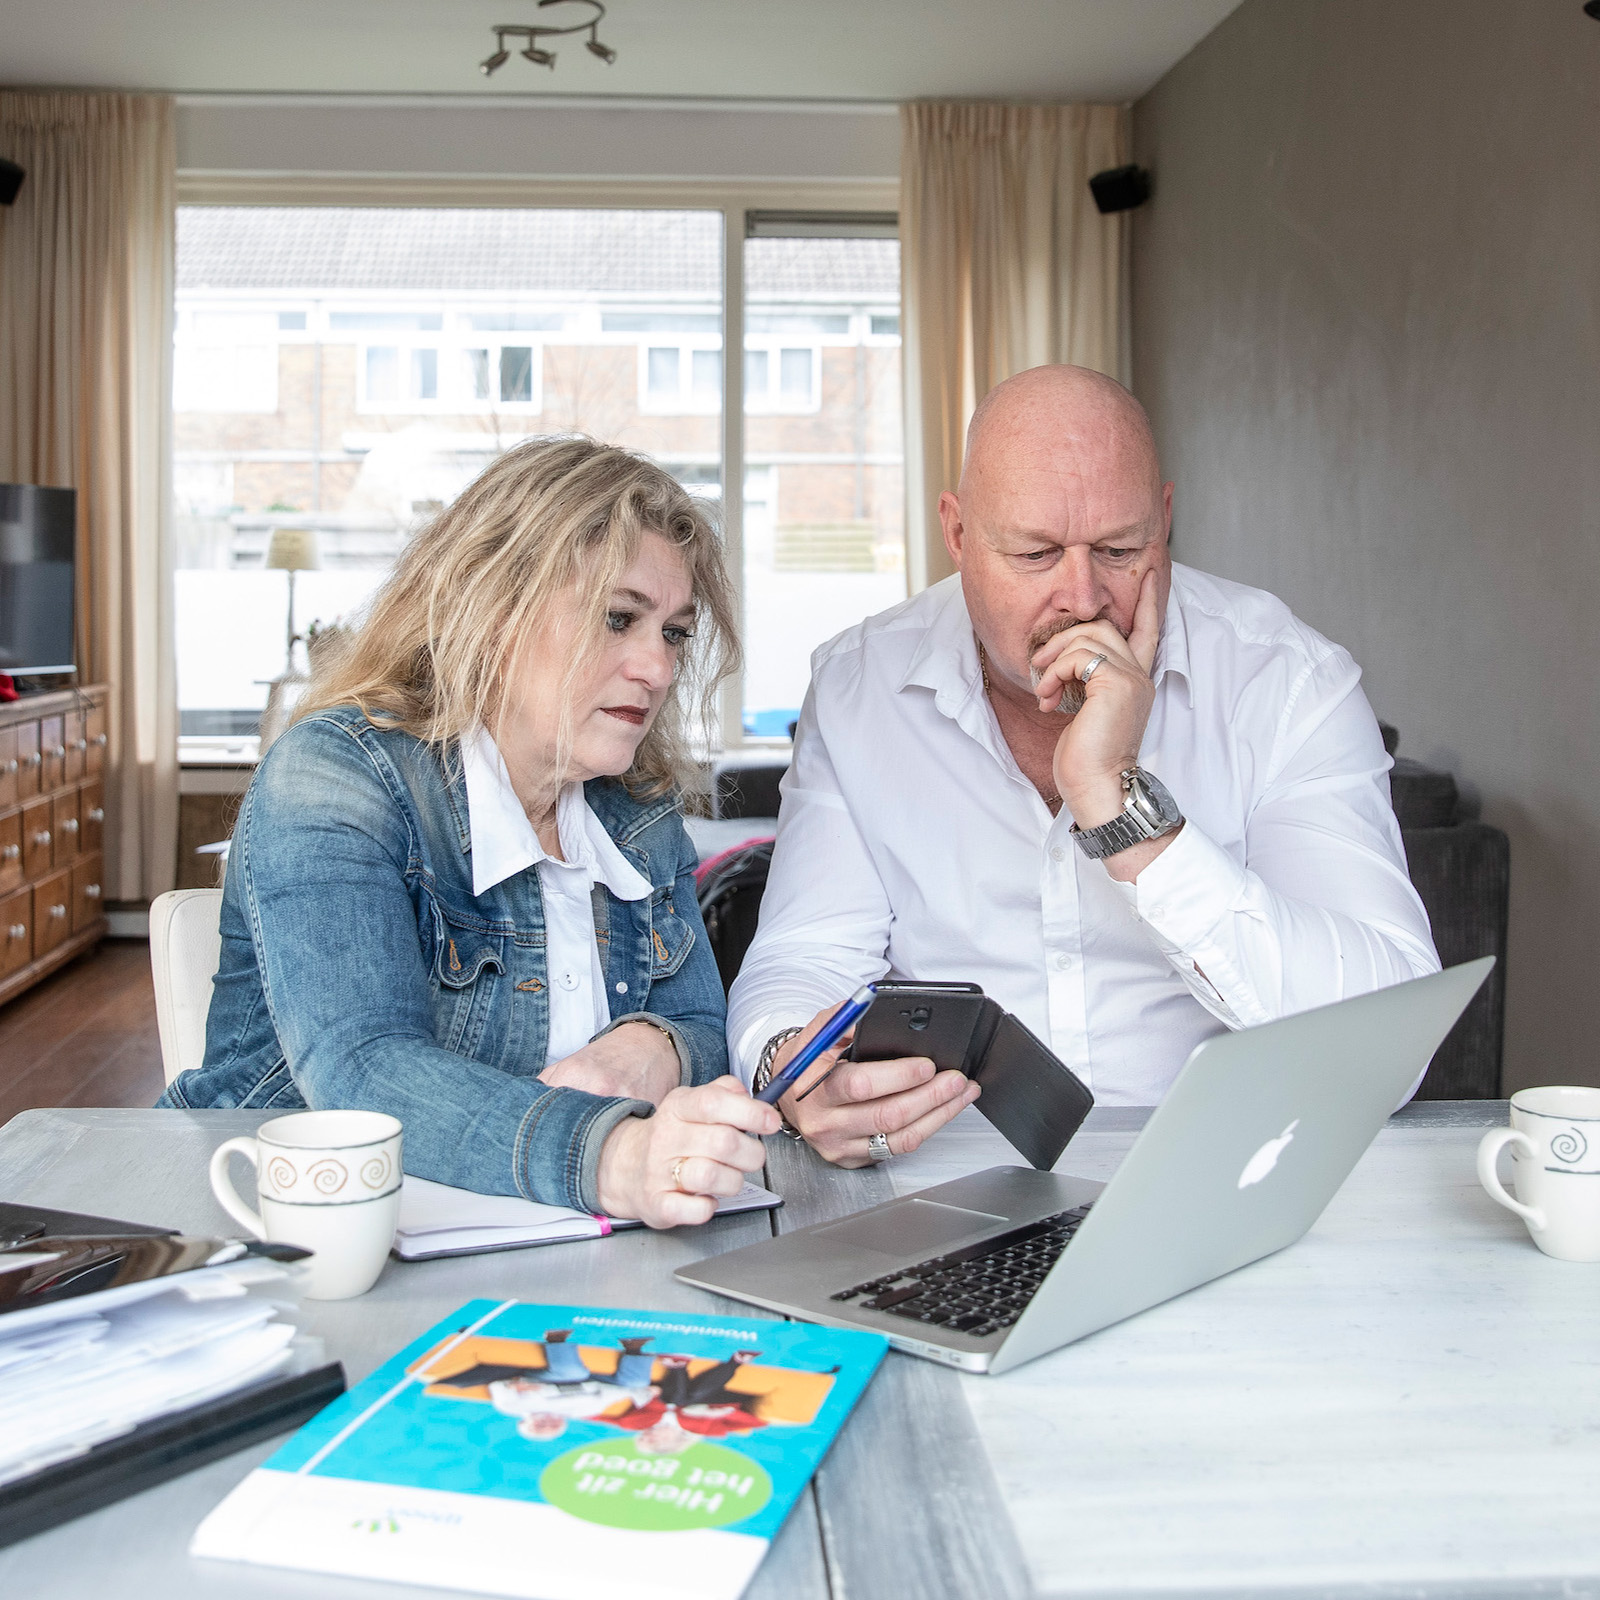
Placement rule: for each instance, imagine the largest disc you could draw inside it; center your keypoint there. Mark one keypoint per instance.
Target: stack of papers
(80, 1371)
(437, 1220)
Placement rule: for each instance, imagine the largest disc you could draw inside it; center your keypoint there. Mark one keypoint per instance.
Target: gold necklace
(1050, 797)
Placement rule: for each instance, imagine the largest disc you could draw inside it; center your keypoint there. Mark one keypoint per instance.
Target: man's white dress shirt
(911, 845)
(504, 844)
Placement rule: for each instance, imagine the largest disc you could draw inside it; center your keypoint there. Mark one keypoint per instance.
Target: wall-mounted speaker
(1120, 188)
(11, 176)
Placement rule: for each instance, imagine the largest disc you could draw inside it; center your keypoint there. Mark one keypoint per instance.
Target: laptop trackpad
(911, 1227)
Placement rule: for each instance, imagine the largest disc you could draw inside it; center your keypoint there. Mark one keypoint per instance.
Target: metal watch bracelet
(762, 1076)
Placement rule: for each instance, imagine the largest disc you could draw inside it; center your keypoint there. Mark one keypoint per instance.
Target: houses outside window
(349, 371)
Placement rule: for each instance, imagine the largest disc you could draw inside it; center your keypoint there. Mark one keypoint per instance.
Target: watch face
(1151, 799)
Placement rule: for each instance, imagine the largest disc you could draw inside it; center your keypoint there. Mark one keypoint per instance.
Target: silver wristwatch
(1148, 812)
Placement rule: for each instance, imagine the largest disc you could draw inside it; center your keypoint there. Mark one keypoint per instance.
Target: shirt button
(568, 981)
(1063, 961)
(622, 988)
(1057, 853)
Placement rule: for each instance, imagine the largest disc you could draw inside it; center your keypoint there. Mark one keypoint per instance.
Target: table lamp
(292, 550)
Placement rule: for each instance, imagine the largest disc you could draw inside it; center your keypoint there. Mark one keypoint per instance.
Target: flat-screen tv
(38, 547)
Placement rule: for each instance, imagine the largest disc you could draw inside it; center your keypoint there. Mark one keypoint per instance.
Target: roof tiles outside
(522, 251)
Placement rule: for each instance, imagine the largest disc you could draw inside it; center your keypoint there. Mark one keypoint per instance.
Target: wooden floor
(86, 1036)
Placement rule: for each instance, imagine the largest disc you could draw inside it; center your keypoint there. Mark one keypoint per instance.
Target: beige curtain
(1005, 264)
(85, 356)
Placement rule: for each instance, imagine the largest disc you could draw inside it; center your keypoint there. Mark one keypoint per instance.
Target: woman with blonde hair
(460, 890)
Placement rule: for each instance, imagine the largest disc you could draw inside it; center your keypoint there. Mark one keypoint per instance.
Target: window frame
(743, 205)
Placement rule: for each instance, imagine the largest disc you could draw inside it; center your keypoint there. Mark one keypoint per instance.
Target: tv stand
(52, 821)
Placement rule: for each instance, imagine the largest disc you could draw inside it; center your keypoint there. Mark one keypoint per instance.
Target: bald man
(1136, 803)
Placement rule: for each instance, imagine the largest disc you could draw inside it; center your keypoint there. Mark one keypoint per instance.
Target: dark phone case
(1029, 1094)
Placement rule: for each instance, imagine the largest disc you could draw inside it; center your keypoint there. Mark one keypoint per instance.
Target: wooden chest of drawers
(52, 817)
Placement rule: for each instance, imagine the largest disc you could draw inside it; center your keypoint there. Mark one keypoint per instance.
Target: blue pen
(839, 1024)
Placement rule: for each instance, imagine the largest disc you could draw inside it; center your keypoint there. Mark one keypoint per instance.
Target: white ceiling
(886, 50)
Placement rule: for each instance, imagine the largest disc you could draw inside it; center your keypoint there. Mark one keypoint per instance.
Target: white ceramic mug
(1555, 1168)
(328, 1181)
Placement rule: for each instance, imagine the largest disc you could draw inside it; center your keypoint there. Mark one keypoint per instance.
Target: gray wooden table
(1406, 1403)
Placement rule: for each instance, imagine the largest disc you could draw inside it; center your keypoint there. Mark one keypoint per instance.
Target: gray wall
(1366, 312)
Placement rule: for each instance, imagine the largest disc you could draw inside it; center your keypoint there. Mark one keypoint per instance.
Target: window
(824, 535)
(226, 359)
(347, 371)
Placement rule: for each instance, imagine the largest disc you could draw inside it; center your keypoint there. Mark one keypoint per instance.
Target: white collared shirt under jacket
(911, 845)
(504, 843)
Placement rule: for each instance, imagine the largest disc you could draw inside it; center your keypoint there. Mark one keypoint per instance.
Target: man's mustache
(1045, 632)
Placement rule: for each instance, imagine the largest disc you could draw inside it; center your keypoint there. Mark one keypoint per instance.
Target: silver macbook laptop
(1251, 1143)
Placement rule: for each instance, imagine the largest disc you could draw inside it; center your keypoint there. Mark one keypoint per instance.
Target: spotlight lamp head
(530, 34)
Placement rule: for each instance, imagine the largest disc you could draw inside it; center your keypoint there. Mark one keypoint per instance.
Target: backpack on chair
(729, 888)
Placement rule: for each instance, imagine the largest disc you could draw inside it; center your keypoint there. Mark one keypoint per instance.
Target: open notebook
(436, 1220)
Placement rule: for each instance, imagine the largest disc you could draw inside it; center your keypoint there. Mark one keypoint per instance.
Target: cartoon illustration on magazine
(668, 1401)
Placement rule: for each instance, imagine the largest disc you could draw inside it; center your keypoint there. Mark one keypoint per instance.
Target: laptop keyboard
(980, 1289)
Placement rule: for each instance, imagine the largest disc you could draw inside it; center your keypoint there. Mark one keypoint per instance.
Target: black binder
(164, 1446)
(161, 1449)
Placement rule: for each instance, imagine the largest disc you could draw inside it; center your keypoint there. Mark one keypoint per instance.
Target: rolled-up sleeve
(1321, 907)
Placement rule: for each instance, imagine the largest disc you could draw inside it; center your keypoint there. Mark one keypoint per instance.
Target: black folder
(165, 1446)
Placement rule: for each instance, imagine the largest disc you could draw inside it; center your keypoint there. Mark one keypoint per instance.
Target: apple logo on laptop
(1266, 1158)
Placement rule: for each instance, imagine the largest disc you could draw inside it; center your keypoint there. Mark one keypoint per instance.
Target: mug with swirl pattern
(328, 1181)
(1555, 1168)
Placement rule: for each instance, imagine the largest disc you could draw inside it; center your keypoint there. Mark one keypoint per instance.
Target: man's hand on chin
(1102, 741)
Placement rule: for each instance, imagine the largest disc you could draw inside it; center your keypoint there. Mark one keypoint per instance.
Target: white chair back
(185, 952)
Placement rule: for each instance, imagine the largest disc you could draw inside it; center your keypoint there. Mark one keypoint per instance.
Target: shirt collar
(946, 659)
(1172, 651)
(503, 840)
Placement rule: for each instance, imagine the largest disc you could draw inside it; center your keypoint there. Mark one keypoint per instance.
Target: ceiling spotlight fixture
(534, 52)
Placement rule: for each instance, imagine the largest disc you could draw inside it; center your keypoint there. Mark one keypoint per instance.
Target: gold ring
(677, 1168)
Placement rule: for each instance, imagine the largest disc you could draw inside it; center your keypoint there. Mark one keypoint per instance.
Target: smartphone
(1029, 1094)
(936, 1020)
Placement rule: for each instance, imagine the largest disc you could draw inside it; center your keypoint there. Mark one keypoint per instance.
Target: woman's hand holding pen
(670, 1169)
(906, 1100)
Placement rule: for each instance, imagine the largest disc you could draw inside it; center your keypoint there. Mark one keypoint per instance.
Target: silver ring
(677, 1168)
(1092, 668)
(878, 1147)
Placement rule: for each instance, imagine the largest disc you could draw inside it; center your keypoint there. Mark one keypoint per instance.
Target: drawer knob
(59, 752)
(18, 930)
(70, 825)
(58, 911)
(97, 814)
(11, 852)
(81, 744)
(100, 739)
(42, 837)
(12, 765)
(35, 759)
(91, 891)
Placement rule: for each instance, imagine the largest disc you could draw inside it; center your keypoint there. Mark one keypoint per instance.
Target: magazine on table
(558, 1453)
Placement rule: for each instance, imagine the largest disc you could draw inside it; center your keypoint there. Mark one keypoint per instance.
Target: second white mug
(328, 1181)
(1555, 1167)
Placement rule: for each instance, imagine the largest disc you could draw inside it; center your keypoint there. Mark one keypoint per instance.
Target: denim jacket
(360, 971)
